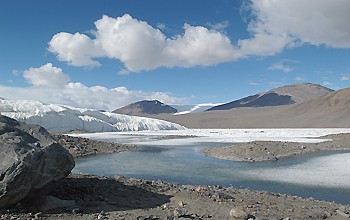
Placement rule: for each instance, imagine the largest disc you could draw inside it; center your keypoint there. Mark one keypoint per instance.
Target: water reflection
(187, 164)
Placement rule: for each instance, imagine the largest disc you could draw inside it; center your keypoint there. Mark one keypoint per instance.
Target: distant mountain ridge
(146, 107)
(286, 95)
(331, 110)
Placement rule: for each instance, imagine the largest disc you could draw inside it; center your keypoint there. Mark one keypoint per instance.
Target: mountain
(146, 107)
(66, 118)
(331, 110)
(286, 95)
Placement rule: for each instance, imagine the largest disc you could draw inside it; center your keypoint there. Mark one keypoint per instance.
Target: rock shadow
(93, 194)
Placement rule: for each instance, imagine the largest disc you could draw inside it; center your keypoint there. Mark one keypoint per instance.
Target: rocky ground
(275, 150)
(80, 147)
(94, 197)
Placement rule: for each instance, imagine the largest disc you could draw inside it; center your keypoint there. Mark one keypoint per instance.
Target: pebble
(181, 204)
(238, 213)
(37, 215)
(178, 213)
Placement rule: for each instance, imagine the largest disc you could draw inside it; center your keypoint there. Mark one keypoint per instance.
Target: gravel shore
(274, 150)
(82, 196)
(95, 197)
(81, 147)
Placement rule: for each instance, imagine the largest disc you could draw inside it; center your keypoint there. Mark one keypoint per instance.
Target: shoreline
(260, 151)
(82, 196)
(83, 147)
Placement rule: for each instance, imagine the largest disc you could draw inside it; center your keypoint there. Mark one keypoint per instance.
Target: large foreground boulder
(30, 161)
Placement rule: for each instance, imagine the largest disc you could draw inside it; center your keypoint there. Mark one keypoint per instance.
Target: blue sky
(106, 54)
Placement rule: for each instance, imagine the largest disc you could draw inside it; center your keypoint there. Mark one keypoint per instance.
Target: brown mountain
(329, 110)
(286, 95)
(146, 107)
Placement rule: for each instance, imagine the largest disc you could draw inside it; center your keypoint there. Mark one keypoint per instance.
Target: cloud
(62, 91)
(162, 26)
(281, 66)
(253, 83)
(327, 83)
(299, 79)
(344, 77)
(47, 76)
(15, 72)
(281, 24)
(76, 49)
(123, 72)
(273, 27)
(141, 47)
(219, 26)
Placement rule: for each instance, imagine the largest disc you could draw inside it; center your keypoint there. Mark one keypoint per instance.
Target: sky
(105, 54)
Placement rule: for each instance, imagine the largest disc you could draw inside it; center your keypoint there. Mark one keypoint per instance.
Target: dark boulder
(30, 161)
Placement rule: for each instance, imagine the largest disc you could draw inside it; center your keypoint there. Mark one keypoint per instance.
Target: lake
(323, 175)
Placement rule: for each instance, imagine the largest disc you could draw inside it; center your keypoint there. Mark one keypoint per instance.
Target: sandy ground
(94, 197)
(274, 150)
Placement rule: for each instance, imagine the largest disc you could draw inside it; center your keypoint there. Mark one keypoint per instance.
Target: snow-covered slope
(186, 109)
(66, 118)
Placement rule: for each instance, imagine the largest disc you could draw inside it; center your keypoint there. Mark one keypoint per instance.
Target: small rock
(75, 211)
(200, 189)
(181, 204)
(238, 213)
(37, 215)
(178, 213)
(340, 213)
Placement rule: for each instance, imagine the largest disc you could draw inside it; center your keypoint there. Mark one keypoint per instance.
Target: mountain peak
(285, 95)
(146, 107)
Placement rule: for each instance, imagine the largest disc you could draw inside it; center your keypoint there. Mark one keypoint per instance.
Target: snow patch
(186, 109)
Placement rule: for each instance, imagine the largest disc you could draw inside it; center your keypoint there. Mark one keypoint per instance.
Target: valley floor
(94, 197)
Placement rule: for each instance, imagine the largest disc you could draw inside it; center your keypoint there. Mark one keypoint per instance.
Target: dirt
(274, 150)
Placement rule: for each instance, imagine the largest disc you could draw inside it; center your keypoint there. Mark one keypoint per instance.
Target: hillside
(146, 107)
(286, 95)
(66, 118)
(329, 110)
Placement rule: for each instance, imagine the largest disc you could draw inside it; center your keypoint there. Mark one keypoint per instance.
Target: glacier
(55, 117)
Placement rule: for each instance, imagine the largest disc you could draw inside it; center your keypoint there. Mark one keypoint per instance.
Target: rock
(178, 213)
(238, 213)
(37, 215)
(181, 204)
(31, 162)
(52, 203)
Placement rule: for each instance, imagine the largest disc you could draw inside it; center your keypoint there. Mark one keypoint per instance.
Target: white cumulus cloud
(76, 49)
(141, 47)
(280, 24)
(47, 76)
(273, 26)
(49, 84)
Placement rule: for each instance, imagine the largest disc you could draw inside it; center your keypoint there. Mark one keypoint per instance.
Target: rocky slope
(285, 95)
(329, 110)
(146, 107)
